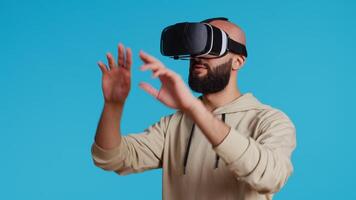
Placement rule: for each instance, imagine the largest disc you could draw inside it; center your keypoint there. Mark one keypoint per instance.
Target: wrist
(113, 105)
(195, 107)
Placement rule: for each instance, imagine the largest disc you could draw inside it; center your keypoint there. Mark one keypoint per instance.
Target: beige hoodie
(252, 162)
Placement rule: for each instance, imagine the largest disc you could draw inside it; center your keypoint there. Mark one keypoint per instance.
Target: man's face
(209, 75)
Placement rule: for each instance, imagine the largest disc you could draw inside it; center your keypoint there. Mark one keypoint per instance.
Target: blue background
(301, 60)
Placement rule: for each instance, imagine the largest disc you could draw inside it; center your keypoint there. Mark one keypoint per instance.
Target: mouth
(197, 69)
(198, 66)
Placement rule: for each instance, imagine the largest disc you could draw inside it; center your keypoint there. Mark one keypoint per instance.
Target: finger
(120, 59)
(110, 60)
(128, 58)
(159, 73)
(102, 67)
(172, 75)
(145, 57)
(152, 66)
(149, 89)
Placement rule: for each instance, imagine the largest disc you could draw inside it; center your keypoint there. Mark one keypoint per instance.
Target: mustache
(193, 62)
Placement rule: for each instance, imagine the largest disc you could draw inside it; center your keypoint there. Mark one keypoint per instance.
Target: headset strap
(236, 47)
(215, 18)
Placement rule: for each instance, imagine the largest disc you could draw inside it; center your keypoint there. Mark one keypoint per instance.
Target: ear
(237, 62)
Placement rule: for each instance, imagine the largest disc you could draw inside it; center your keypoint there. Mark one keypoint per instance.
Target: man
(222, 145)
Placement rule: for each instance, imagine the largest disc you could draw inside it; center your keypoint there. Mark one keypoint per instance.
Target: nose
(196, 60)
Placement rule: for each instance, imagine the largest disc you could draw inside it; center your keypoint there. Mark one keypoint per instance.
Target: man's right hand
(116, 79)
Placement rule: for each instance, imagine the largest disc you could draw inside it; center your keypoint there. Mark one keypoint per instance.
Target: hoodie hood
(245, 102)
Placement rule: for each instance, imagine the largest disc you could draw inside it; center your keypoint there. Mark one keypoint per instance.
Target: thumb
(149, 89)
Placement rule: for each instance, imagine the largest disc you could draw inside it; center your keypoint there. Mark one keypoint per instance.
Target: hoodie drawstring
(188, 147)
(217, 156)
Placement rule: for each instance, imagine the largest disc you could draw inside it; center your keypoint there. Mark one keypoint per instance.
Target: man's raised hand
(116, 79)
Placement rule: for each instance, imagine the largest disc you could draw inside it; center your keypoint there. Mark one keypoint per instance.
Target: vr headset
(187, 40)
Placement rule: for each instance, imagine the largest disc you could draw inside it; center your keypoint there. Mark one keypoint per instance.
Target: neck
(218, 99)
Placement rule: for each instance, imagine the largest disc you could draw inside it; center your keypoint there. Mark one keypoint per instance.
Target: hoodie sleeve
(265, 162)
(136, 152)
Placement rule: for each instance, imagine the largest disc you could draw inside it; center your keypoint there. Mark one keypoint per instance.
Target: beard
(214, 81)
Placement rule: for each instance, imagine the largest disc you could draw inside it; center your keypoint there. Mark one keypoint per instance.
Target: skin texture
(173, 92)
